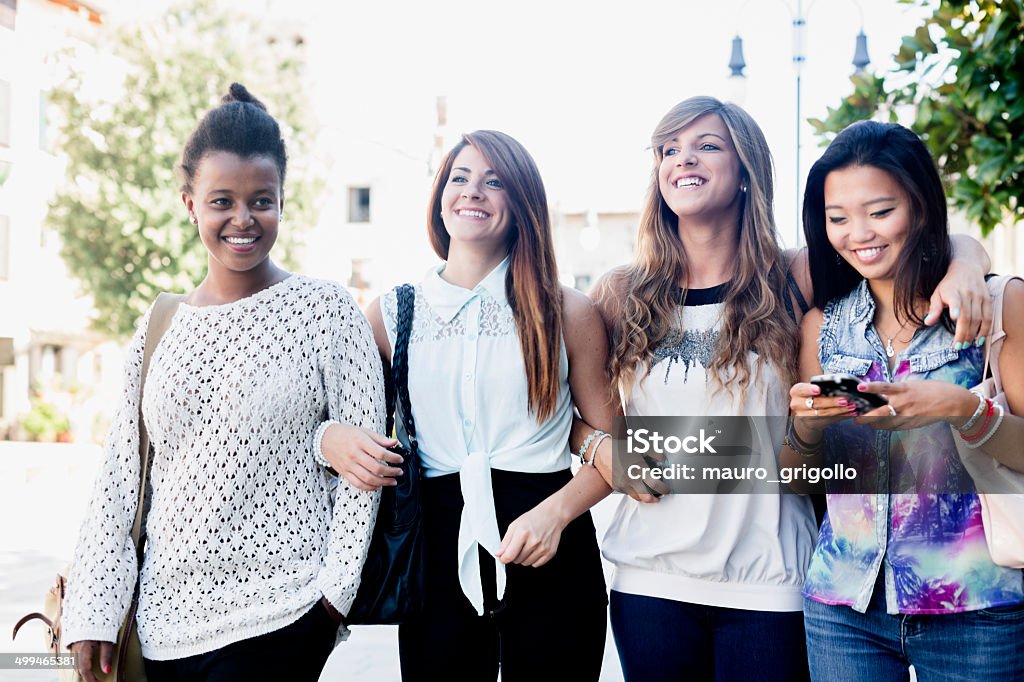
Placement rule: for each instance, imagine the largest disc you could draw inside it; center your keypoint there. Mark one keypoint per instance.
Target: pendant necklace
(889, 350)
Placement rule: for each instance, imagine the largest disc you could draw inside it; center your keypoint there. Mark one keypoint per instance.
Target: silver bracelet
(992, 431)
(597, 444)
(966, 426)
(318, 439)
(582, 454)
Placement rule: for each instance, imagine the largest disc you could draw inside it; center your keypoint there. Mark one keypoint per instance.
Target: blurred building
(45, 342)
(590, 243)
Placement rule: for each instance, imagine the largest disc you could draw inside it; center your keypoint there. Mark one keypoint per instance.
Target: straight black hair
(925, 256)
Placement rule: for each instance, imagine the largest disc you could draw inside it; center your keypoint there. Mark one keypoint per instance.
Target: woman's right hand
(361, 456)
(816, 411)
(87, 651)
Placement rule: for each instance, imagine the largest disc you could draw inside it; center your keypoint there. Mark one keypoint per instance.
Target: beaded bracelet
(995, 427)
(597, 444)
(318, 439)
(984, 425)
(966, 426)
(582, 454)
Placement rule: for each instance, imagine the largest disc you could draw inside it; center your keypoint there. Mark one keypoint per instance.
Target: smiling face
(474, 203)
(237, 203)
(867, 219)
(699, 175)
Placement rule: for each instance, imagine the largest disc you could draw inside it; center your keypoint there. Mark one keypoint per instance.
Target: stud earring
(743, 188)
(193, 219)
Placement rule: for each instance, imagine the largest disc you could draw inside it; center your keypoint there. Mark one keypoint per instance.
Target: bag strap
(996, 287)
(399, 383)
(159, 320)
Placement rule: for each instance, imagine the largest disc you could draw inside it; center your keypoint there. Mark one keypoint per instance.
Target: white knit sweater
(243, 533)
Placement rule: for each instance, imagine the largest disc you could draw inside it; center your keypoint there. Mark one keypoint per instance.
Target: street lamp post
(799, 19)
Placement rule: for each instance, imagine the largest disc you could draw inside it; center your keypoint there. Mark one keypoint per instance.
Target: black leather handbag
(391, 587)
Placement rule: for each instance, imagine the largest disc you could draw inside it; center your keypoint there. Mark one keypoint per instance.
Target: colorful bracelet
(995, 427)
(966, 426)
(984, 425)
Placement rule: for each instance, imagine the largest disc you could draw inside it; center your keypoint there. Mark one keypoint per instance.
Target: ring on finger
(892, 410)
(815, 413)
(809, 403)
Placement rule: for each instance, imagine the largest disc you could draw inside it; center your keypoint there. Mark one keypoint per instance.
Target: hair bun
(238, 93)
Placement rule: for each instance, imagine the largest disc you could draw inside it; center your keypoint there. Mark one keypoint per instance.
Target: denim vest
(931, 546)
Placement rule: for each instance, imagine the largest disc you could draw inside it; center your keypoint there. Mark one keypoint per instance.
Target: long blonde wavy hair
(755, 317)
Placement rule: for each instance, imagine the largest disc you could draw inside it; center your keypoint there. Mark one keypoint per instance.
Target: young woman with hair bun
(248, 558)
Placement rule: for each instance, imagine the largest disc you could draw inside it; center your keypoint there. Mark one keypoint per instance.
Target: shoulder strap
(159, 320)
(406, 295)
(996, 287)
(793, 287)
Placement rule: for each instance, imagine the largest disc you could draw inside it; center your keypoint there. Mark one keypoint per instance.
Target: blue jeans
(664, 640)
(846, 646)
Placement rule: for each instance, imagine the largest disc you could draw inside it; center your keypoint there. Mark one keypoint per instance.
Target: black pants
(552, 620)
(295, 652)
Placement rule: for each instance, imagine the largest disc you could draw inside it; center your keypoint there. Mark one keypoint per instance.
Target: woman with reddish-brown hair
(499, 354)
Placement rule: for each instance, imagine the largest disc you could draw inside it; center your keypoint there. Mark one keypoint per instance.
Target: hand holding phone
(845, 386)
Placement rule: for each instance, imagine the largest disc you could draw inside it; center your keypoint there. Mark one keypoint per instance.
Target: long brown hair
(755, 318)
(531, 285)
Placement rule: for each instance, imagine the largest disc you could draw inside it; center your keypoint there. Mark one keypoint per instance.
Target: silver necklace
(889, 350)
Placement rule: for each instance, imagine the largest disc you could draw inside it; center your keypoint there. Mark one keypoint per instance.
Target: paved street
(43, 493)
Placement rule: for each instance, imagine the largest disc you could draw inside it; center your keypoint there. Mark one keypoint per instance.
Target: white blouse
(469, 396)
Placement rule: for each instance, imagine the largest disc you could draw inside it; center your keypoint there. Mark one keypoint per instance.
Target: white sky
(582, 84)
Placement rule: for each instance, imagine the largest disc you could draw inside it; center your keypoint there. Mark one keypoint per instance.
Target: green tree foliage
(124, 109)
(959, 77)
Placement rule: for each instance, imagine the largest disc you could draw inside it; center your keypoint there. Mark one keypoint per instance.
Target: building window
(5, 247)
(5, 114)
(359, 204)
(8, 8)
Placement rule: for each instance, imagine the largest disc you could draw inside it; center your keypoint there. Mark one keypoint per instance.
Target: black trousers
(552, 620)
(295, 652)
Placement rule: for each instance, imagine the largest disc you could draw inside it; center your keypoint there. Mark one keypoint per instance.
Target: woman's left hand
(532, 539)
(917, 403)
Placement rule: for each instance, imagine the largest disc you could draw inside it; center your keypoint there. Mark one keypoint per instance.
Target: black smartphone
(845, 386)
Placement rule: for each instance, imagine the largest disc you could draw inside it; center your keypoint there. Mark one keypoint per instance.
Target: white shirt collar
(447, 299)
